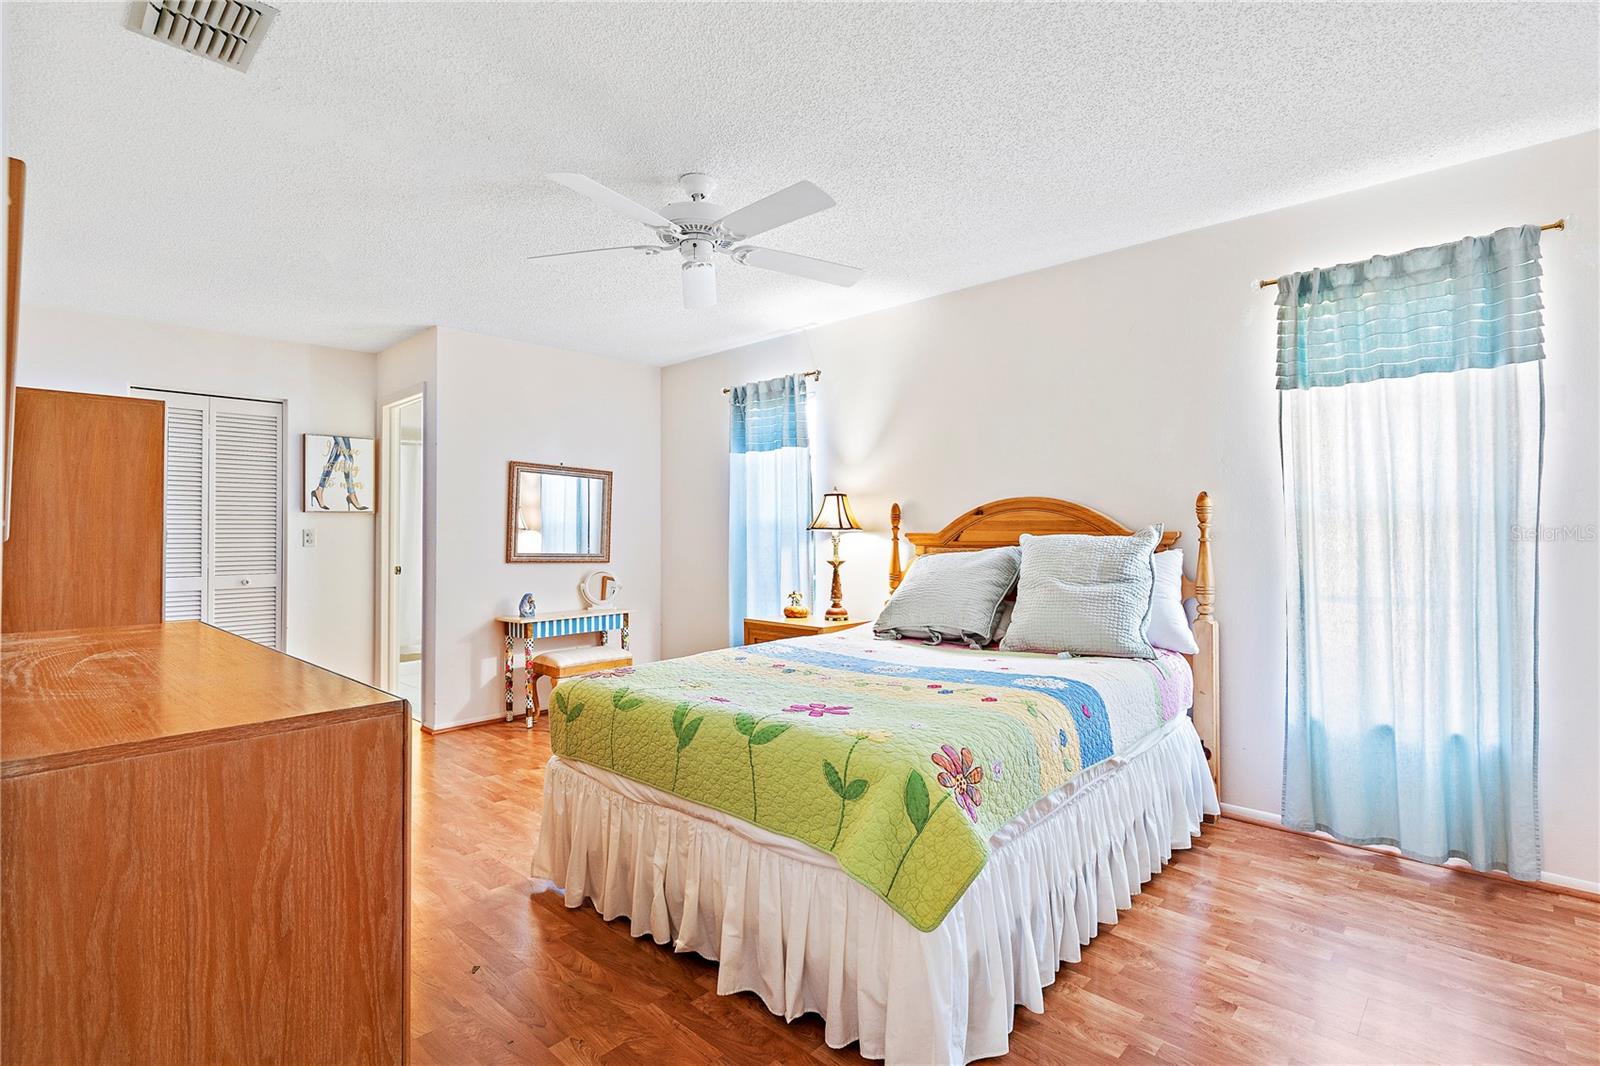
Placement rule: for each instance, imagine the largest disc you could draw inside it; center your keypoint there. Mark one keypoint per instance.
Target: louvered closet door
(246, 519)
(183, 554)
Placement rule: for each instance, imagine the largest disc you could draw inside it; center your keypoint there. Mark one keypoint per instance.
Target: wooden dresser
(205, 853)
(86, 523)
(761, 630)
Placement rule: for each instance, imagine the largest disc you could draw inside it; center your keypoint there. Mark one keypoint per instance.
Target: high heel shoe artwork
(330, 460)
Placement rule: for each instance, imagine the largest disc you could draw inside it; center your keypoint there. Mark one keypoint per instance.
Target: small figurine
(796, 607)
(527, 608)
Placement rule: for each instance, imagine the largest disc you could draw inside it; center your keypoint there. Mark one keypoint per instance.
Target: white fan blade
(699, 285)
(611, 198)
(802, 265)
(797, 201)
(604, 253)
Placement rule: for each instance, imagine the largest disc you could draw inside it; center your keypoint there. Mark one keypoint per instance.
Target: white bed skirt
(805, 937)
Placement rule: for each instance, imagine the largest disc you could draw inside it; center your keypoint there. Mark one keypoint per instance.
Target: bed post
(1207, 663)
(895, 573)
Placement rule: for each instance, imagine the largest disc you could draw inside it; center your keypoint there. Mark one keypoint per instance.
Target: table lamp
(835, 517)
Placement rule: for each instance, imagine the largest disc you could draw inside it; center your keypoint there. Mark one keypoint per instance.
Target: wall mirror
(558, 514)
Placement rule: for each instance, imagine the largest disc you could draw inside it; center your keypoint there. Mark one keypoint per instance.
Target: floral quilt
(897, 759)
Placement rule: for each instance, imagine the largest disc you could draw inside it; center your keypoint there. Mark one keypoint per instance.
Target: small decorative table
(601, 620)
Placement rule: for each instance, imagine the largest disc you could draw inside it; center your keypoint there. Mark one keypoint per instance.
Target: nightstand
(761, 630)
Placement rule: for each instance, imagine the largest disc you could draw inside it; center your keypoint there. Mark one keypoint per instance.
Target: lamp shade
(835, 515)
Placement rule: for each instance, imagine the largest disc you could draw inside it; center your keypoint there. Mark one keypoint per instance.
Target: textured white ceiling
(378, 169)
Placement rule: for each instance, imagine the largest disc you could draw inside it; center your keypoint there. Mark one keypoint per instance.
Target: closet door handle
(244, 581)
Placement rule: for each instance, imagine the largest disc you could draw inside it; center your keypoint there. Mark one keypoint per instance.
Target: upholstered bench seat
(573, 662)
(586, 658)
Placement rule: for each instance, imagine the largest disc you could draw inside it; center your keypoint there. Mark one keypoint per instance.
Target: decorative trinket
(796, 607)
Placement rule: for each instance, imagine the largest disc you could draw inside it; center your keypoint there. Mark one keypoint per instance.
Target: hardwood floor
(1255, 946)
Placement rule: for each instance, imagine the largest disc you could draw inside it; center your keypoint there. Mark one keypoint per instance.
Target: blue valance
(1471, 304)
(768, 415)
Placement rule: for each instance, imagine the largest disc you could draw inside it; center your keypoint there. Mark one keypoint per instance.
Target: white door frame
(386, 654)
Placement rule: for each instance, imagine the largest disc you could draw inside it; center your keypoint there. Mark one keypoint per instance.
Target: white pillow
(1084, 594)
(1169, 622)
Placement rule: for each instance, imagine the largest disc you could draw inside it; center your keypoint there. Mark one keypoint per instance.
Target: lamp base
(836, 613)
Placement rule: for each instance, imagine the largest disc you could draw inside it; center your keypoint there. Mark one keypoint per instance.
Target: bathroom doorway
(400, 552)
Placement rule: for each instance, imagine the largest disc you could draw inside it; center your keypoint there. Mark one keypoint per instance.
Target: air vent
(224, 30)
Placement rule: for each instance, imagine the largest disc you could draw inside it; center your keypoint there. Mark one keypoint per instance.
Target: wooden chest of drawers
(761, 630)
(204, 853)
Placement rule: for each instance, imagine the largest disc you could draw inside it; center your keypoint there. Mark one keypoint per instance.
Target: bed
(906, 840)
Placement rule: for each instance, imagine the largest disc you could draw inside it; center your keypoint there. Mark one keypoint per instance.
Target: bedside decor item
(796, 607)
(598, 587)
(835, 517)
(527, 607)
(337, 473)
(557, 514)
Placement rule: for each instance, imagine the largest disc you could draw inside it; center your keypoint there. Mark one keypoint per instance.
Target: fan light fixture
(701, 230)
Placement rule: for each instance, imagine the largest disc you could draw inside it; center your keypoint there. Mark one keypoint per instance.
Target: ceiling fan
(701, 230)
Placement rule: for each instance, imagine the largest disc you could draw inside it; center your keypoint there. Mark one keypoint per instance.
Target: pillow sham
(1169, 621)
(1003, 622)
(1085, 594)
(951, 596)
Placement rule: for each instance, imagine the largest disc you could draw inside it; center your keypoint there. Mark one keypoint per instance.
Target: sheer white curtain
(770, 550)
(1411, 427)
(560, 510)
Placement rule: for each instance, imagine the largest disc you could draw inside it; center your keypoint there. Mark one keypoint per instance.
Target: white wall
(500, 400)
(328, 588)
(1132, 380)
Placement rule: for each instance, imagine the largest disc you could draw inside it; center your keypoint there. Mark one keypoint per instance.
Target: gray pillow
(951, 596)
(1085, 594)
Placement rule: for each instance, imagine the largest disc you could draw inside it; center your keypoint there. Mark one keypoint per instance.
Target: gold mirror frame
(515, 471)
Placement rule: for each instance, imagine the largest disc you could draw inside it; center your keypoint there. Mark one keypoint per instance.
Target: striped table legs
(527, 666)
(509, 664)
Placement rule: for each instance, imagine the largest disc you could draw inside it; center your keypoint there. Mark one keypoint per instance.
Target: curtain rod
(1559, 223)
(808, 374)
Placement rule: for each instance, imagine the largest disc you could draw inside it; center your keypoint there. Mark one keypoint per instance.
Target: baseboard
(1249, 814)
(1548, 882)
(1574, 885)
(450, 727)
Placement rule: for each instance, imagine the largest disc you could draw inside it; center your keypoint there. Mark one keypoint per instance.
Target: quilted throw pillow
(1085, 595)
(951, 596)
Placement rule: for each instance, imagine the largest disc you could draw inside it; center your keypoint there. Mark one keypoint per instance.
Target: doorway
(400, 552)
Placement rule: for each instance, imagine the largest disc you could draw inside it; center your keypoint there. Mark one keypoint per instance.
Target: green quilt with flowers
(899, 760)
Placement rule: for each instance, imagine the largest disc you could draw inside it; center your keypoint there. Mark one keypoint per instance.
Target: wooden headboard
(1001, 523)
